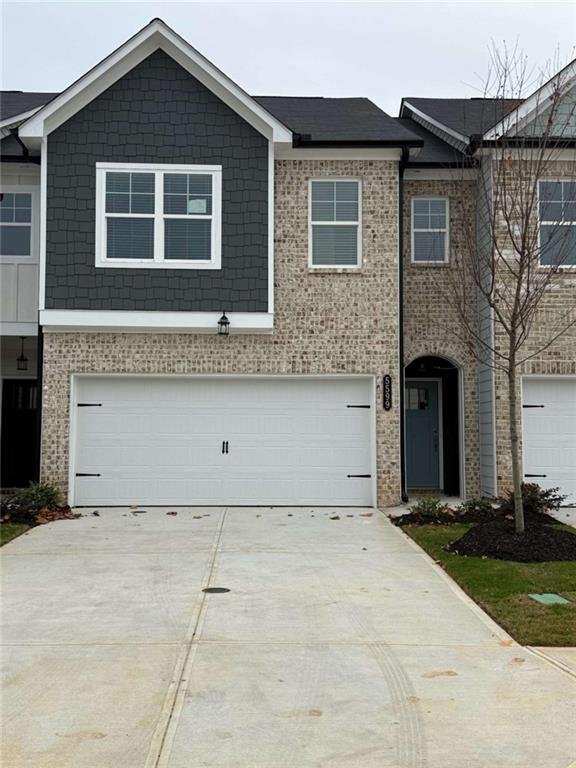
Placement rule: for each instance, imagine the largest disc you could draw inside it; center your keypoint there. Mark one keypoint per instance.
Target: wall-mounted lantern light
(223, 325)
(22, 360)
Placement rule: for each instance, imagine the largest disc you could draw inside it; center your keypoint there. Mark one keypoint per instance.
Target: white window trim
(158, 262)
(551, 223)
(32, 257)
(357, 224)
(446, 258)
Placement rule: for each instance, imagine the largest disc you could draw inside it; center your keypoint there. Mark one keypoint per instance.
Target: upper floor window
(158, 216)
(15, 224)
(335, 232)
(557, 214)
(429, 230)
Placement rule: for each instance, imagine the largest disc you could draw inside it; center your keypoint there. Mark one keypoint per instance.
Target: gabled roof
(462, 117)
(324, 120)
(435, 151)
(16, 103)
(155, 35)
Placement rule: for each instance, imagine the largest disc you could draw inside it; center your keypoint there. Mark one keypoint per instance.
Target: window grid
(171, 242)
(430, 216)
(556, 210)
(16, 224)
(325, 192)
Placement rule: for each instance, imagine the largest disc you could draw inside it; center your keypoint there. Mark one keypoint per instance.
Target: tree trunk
(515, 449)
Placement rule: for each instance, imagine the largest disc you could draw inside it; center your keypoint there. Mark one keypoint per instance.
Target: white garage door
(232, 441)
(549, 433)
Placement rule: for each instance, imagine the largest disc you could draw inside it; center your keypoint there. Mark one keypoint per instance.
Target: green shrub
(535, 500)
(428, 505)
(37, 496)
(480, 506)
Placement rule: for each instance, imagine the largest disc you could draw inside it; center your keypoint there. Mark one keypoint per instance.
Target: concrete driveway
(339, 644)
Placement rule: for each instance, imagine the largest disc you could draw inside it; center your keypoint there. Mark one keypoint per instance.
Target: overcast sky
(383, 50)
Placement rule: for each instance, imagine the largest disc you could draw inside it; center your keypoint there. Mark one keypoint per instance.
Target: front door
(19, 433)
(422, 434)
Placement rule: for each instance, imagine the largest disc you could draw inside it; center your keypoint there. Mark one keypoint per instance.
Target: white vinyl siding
(429, 230)
(158, 216)
(334, 217)
(557, 222)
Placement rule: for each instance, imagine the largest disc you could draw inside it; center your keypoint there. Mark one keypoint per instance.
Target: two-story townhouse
(234, 295)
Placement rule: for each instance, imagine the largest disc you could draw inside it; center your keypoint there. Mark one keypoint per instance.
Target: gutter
(401, 168)
(305, 140)
(25, 152)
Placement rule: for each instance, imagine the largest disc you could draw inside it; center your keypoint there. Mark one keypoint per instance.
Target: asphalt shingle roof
(336, 120)
(14, 103)
(467, 117)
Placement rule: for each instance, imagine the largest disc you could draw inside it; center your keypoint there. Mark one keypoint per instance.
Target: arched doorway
(432, 413)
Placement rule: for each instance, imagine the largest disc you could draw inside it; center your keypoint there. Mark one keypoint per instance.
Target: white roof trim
(437, 124)
(10, 122)
(154, 36)
(538, 100)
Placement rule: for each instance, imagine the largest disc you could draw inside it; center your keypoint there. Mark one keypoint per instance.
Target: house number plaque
(387, 392)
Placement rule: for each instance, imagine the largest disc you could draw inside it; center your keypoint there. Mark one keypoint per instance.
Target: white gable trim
(12, 122)
(437, 124)
(154, 36)
(539, 100)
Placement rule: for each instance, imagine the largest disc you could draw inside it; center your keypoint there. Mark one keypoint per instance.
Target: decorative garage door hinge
(357, 406)
(533, 406)
(89, 405)
(88, 474)
(535, 475)
(358, 475)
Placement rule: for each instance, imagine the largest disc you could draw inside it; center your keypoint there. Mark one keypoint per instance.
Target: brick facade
(558, 359)
(326, 322)
(430, 327)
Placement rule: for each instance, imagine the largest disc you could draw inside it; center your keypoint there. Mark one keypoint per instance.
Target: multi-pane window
(557, 213)
(158, 216)
(335, 232)
(15, 224)
(429, 229)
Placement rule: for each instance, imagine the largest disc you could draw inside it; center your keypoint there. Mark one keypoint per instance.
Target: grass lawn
(9, 531)
(501, 587)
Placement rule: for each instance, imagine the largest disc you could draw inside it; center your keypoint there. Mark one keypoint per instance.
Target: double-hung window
(557, 222)
(430, 218)
(158, 216)
(16, 234)
(335, 215)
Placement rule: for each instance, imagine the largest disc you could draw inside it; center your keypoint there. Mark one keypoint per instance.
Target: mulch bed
(36, 517)
(498, 539)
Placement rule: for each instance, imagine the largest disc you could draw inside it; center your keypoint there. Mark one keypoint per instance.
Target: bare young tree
(522, 237)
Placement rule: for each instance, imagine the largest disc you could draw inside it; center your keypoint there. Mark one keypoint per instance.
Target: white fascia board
(283, 152)
(437, 124)
(537, 101)
(121, 321)
(154, 36)
(15, 120)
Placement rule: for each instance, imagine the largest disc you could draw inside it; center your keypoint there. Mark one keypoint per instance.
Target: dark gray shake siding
(157, 113)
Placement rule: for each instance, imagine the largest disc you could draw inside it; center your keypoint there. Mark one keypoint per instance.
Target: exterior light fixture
(223, 325)
(22, 360)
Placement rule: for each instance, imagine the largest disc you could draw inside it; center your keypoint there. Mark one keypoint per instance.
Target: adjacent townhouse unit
(216, 298)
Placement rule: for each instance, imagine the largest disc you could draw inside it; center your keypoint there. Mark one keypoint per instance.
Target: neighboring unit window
(429, 229)
(335, 223)
(557, 223)
(15, 224)
(160, 216)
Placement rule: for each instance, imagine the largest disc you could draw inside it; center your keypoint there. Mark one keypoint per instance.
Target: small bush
(38, 496)
(428, 506)
(481, 506)
(535, 500)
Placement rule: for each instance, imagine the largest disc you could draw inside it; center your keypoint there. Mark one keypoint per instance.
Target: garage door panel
(159, 441)
(549, 433)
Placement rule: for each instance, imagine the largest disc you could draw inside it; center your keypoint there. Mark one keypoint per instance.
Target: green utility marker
(549, 598)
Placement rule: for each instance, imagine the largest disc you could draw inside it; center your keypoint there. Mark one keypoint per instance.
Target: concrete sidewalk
(339, 644)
